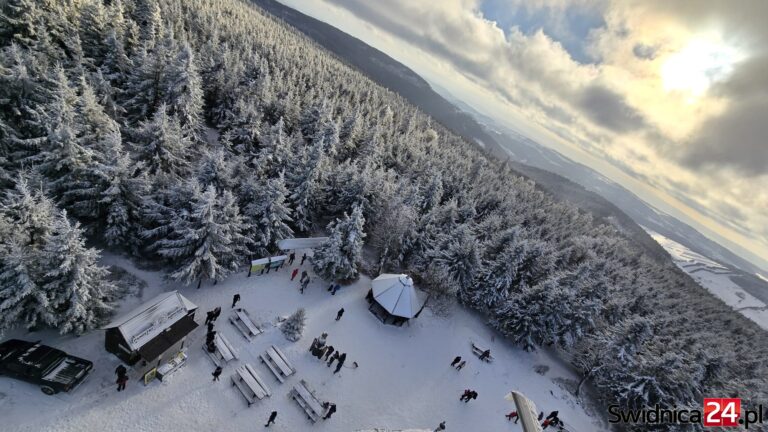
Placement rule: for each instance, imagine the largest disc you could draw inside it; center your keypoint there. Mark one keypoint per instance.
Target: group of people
(327, 353)
(458, 363)
(468, 395)
(551, 420)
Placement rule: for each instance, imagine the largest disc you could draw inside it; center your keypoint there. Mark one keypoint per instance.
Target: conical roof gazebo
(393, 298)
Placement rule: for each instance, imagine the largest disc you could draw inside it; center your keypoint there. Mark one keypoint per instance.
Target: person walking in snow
(122, 377)
(235, 299)
(466, 395)
(216, 373)
(331, 410)
(342, 358)
(272, 418)
(440, 427)
(485, 355)
(303, 258)
(512, 415)
(553, 414)
(335, 288)
(304, 284)
(461, 365)
(455, 361)
(328, 351)
(339, 314)
(541, 415)
(334, 357)
(294, 273)
(291, 257)
(304, 275)
(209, 317)
(473, 395)
(216, 313)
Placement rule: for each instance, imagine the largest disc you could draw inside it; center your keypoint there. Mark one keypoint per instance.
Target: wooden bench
(307, 401)
(277, 363)
(224, 353)
(250, 384)
(243, 322)
(478, 351)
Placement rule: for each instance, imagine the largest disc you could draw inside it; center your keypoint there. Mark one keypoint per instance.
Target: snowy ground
(403, 380)
(715, 277)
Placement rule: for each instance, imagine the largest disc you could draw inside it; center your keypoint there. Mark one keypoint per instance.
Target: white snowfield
(715, 278)
(403, 380)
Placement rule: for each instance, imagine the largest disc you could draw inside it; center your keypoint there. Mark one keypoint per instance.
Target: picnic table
(307, 401)
(478, 351)
(224, 353)
(250, 384)
(277, 363)
(243, 322)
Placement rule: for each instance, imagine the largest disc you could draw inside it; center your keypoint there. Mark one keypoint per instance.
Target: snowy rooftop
(151, 318)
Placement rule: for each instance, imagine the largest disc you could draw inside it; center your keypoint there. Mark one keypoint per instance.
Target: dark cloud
(738, 138)
(609, 109)
(645, 52)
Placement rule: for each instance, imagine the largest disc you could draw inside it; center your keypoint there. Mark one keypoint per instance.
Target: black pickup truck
(52, 369)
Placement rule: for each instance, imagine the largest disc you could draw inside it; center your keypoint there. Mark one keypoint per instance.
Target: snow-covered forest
(199, 133)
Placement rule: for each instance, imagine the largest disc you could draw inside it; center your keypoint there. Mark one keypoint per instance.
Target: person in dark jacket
(541, 415)
(272, 418)
(210, 336)
(461, 365)
(122, 377)
(303, 258)
(291, 257)
(339, 314)
(216, 313)
(485, 355)
(466, 395)
(455, 361)
(553, 414)
(209, 317)
(334, 357)
(335, 288)
(216, 373)
(235, 299)
(440, 427)
(328, 351)
(210, 327)
(210, 346)
(342, 358)
(331, 410)
(304, 275)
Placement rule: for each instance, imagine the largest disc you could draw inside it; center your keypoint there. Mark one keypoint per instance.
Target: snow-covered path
(403, 381)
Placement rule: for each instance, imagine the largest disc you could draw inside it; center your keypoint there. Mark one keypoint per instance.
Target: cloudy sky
(670, 98)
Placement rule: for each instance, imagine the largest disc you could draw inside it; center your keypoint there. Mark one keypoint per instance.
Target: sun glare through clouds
(697, 66)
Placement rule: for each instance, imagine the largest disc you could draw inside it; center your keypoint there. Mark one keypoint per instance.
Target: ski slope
(715, 278)
(403, 381)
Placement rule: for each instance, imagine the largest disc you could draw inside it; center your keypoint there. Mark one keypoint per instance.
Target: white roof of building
(301, 243)
(395, 293)
(151, 318)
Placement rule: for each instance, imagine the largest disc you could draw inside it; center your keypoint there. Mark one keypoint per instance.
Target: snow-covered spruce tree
(183, 91)
(303, 181)
(459, 254)
(75, 285)
(162, 146)
(22, 300)
(214, 169)
(293, 327)
(339, 257)
(205, 244)
(30, 210)
(123, 200)
(267, 214)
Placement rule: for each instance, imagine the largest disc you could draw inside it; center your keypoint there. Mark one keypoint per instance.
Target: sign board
(150, 375)
(271, 262)
(526, 411)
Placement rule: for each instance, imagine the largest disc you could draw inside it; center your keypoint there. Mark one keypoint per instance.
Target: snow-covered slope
(403, 380)
(716, 278)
